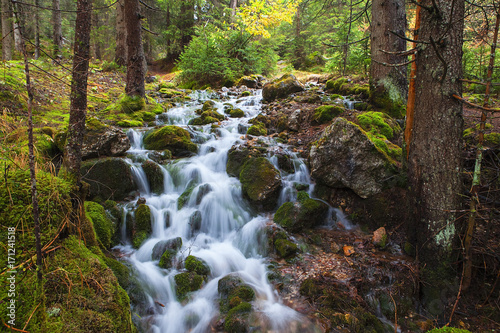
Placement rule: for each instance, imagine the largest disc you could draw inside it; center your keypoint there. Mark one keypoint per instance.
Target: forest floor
(348, 256)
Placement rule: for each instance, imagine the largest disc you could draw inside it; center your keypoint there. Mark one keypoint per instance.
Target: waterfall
(229, 237)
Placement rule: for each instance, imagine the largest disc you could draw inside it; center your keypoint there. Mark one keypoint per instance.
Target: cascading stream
(229, 237)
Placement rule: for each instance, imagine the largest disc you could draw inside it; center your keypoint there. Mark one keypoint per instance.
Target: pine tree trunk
(434, 165)
(121, 34)
(7, 33)
(57, 28)
(388, 84)
(135, 62)
(37, 29)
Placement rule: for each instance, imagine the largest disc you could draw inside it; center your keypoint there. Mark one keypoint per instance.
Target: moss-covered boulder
(187, 282)
(173, 138)
(164, 245)
(345, 157)
(261, 182)
(103, 225)
(326, 113)
(257, 129)
(154, 175)
(281, 88)
(127, 104)
(306, 213)
(237, 319)
(184, 197)
(285, 248)
(207, 117)
(236, 113)
(142, 225)
(236, 158)
(167, 259)
(232, 290)
(196, 265)
(252, 81)
(109, 178)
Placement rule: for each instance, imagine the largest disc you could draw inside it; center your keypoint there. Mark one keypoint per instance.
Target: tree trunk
(37, 29)
(135, 62)
(78, 108)
(434, 165)
(232, 5)
(121, 34)
(18, 43)
(388, 84)
(186, 22)
(96, 36)
(7, 32)
(57, 28)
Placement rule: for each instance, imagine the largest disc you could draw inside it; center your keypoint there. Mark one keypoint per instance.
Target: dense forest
(250, 166)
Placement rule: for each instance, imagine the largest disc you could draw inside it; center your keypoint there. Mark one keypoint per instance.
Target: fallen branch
(476, 106)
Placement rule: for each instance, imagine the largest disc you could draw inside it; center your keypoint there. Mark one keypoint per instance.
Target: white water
(230, 238)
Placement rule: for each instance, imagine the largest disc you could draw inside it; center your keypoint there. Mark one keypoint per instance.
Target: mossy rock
(208, 105)
(167, 259)
(237, 157)
(326, 113)
(257, 129)
(281, 88)
(143, 218)
(334, 85)
(297, 216)
(131, 104)
(154, 175)
(120, 270)
(285, 248)
(168, 85)
(173, 138)
(103, 226)
(236, 320)
(46, 146)
(448, 329)
(207, 117)
(184, 197)
(109, 178)
(379, 124)
(196, 265)
(233, 290)
(164, 245)
(236, 113)
(127, 123)
(246, 93)
(386, 96)
(170, 93)
(187, 282)
(261, 182)
(155, 109)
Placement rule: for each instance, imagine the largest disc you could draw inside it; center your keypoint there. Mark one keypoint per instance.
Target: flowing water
(231, 236)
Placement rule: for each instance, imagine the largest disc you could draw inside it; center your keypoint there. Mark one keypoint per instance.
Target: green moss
(154, 175)
(258, 129)
(139, 238)
(128, 104)
(184, 197)
(169, 93)
(492, 139)
(284, 215)
(171, 137)
(208, 105)
(334, 85)
(143, 218)
(167, 258)
(155, 108)
(326, 113)
(377, 124)
(285, 248)
(386, 95)
(208, 116)
(237, 158)
(237, 318)
(246, 93)
(187, 282)
(236, 113)
(196, 265)
(168, 84)
(103, 226)
(256, 175)
(129, 123)
(447, 329)
(121, 271)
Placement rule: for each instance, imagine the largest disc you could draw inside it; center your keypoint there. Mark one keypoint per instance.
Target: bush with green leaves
(219, 57)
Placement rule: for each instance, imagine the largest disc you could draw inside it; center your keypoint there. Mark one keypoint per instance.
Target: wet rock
(295, 120)
(242, 128)
(380, 237)
(237, 319)
(141, 201)
(285, 248)
(196, 265)
(109, 178)
(232, 289)
(164, 245)
(207, 117)
(306, 213)
(102, 140)
(160, 156)
(281, 88)
(184, 197)
(237, 157)
(253, 81)
(195, 222)
(142, 225)
(154, 175)
(167, 259)
(326, 113)
(261, 182)
(173, 138)
(187, 282)
(203, 190)
(344, 157)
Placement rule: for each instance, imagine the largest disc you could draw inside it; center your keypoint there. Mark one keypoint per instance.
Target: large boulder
(345, 157)
(103, 225)
(261, 182)
(173, 138)
(109, 178)
(164, 245)
(295, 216)
(237, 157)
(281, 88)
(103, 140)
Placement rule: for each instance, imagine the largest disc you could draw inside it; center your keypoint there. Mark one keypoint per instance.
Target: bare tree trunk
(97, 42)
(57, 28)
(78, 107)
(34, 197)
(388, 84)
(435, 164)
(135, 62)
(232, 5)
(18, 42)
(121, 34)
(346, 45)
(7, 33)
(37, 29)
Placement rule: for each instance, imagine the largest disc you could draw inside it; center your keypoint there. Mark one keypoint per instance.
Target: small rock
(348, 250)
(380, 237)
(141, 201)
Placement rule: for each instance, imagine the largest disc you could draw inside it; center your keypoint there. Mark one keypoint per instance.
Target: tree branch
(476, 106)
(394, 65)
(344, 45)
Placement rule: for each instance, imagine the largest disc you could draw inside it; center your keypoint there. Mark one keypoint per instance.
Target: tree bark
(388, 84)
(57, 28)
(37, 29)
(121, 34)
(18, 42)
(135, 61)
(78, 109)
(7, 33)
(434, 165)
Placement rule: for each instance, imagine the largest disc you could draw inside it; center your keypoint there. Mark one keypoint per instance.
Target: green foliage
(447, 329)
(216, 56)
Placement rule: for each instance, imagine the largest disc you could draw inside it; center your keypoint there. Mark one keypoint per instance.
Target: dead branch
(463, 100)
(394, 65)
